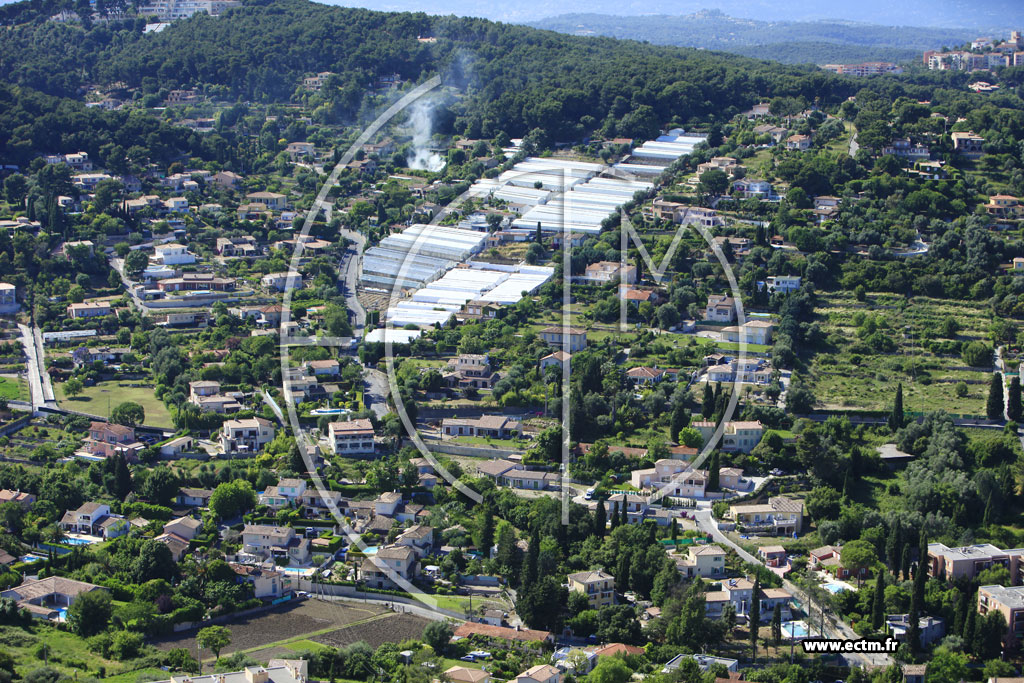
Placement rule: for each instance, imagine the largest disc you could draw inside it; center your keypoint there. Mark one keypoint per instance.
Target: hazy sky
(1002, 15)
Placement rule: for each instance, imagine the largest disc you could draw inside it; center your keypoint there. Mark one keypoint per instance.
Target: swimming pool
(77, 541)
(795, 629)
(330, 411)
(31, 558)
(301, 571)
(836, 587)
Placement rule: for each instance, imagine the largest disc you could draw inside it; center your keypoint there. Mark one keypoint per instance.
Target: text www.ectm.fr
(833, 645)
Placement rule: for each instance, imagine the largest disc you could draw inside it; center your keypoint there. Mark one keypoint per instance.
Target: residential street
(834, 628)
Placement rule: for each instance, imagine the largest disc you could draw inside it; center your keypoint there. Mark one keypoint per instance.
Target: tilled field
(287, 622)
(387, 629)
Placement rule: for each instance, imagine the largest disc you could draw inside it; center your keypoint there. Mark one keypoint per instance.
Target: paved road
(348, 279)
(35, 383)
(376, 391)
(48, 395)
(834, 627)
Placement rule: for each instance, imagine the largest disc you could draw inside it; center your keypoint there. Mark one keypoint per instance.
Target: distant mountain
(785, 41)
(976, 15)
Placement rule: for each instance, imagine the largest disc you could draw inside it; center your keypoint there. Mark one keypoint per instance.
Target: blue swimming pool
(31, 558)
(795, 629)
(77, 541)
(835, 588)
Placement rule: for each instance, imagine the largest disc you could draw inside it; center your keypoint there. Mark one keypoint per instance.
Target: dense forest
(516, 79)
(785, 41)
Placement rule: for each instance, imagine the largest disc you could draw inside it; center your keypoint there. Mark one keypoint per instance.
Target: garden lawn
(103, 397)
(14, 389)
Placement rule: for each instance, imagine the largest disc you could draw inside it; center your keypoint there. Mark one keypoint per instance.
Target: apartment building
(389, 563)
(720, 309)
(1008, 601)
(968, 144)
(571, 339)
(603, 272)
(87, 309)
(598, 585)
(276, 542)
(354, 437)
(8, 298)
(246, 436)
(739, 436)
(172, 254)
(702, 561)
(969, 561)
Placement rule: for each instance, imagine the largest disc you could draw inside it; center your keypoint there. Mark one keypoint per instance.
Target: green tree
(487, 531)
(128, 413)
(214, 638)
(600, 519)
(160, 486)
(896, 417)
(713, 472)
(680, 420)
(715, 181)
(858, 556)
(1013, 407)
(135, 262)
(90, 613)
(707, 404)
(777, 624)
(437, 634)
(878, 604)
(336, 320)
(232, 498)
(977, 354)
(73, 387)
(947, 667)
(610, 670)
(754, 616)
(994, 404)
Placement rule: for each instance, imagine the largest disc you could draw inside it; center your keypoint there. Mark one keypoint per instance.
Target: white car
(589, 494)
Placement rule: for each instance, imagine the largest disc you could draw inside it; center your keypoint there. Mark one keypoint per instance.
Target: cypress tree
(622, 573)
(893, 544)
(905, 562)
(989, 511)
(960, 613)
(994, 405)
(1013, 407)
(707, 404)
(914, 628)
(601, 520)
(487, 533)
(623, 514)
(540, 235)
(970, 630)
(675, 529)
(878, 607)
(713, 472)
(754, 616)
(680, 420)
(777, 624)
(615, 516)
(529, 576)
(897, 417)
